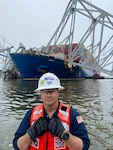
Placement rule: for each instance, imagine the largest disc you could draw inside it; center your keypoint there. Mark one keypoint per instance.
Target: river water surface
(92, 98)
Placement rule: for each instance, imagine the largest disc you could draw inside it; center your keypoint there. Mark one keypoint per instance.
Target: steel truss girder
(97, 36)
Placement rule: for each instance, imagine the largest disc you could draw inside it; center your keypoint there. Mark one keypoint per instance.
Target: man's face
(49, 96)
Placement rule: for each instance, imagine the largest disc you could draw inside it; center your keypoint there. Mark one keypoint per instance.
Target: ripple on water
(92, 98)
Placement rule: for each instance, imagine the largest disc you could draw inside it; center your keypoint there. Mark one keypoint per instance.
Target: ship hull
(33, 66)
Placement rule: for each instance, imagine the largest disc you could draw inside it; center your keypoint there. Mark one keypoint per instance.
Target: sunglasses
(51, 91)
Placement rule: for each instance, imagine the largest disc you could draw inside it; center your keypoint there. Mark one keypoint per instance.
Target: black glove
(38, 128)
(56, 127)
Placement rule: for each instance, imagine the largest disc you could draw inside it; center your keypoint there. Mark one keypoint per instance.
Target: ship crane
(74, 28)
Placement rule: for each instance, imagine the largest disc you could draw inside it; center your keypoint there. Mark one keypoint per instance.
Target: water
(92, 98)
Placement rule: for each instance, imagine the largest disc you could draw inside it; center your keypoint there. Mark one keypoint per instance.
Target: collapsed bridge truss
(90, 27)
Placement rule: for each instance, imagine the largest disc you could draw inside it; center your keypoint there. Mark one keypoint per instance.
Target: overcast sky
(33, 22)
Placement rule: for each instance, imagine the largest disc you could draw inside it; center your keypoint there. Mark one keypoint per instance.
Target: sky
(33, 22)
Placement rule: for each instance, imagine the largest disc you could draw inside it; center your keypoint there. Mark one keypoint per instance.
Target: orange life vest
(47, 141)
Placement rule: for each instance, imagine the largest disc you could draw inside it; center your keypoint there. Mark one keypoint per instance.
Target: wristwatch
(65, 136)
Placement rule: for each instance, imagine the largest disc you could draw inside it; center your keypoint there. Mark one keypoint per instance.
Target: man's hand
(38, 128)
(56, 127)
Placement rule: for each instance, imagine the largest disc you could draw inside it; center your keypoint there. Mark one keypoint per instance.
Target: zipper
(47, 142)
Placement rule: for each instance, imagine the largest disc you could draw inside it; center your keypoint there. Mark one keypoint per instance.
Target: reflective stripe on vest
(48, 141)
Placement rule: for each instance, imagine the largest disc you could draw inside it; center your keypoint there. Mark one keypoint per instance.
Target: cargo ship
(33, 63)
(73, 51)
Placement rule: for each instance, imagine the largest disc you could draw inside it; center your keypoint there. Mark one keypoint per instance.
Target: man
(51, 125)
